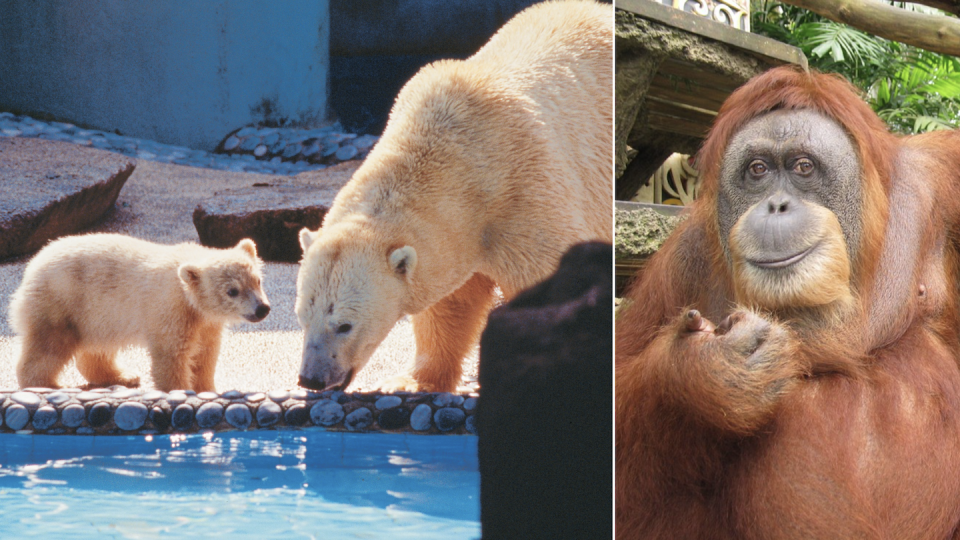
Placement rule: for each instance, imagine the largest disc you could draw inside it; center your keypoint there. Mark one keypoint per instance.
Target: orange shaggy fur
(850, 428)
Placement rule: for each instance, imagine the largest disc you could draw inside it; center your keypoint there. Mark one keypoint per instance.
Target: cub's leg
(205, 357)
(45, 352)
(171, 361)
(100, 369)
(444, 334)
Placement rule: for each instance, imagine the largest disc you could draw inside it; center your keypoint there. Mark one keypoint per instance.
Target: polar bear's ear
(189, 274)
(307, 238)
(403, 260)
(248, 246)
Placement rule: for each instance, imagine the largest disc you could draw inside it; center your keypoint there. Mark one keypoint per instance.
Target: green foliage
(911, 89)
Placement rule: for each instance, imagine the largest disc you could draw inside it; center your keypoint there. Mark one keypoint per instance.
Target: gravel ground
(156, 204)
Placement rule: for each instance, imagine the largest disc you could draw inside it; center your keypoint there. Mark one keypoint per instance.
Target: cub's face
(350, 292)
(227, 286)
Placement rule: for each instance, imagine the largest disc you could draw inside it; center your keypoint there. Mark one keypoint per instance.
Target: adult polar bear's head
(351, 289)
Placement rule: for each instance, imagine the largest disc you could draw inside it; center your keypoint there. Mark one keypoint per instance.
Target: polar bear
(87, 296)
(488, 170)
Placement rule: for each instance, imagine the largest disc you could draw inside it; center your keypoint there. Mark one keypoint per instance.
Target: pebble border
(291, 151)
(121, 411)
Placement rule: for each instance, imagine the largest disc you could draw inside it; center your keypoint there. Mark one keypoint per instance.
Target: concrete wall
(177, 71)
(377, 45)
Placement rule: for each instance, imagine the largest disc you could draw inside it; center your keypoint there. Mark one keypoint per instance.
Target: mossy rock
(640, 233)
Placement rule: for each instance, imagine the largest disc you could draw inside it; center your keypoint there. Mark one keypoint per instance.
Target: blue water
(260, 484)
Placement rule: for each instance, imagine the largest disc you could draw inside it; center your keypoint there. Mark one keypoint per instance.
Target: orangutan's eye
(758, 168)
(803, 166)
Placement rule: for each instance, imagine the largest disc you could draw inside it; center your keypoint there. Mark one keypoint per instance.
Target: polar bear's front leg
(446, 331)
(170, 362)
(205, 357)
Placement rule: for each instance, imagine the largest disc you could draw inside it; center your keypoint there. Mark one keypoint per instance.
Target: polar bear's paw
(400, 383)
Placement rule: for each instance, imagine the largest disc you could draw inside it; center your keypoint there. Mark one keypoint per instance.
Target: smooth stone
(238, 415)
(278, 147)
(395, 418)
(45, 417)
(347, 152)
(154, 395)
(388, 402)
(326, 413)
(420, 419)
(470, 404)
(207, 396)
(231, 143)
(58, 398)
(333, 138)
(86, 431)
(209, 415)
(297, 415)
(271, 139)
(250, 143)
(358, 419)
(38, 389)
(448, 418)
(130, 415)
(83, 397)
(182, 417)
(256, 398)
(365, 142)
(232, 394)
(329, 149)
(276, 160)
(176, 397)
(160, 418)
(299, 393)
(279, 395)
(471, 424)
(126, 394)
(99, 414)
(268, 414)
(73, 415)
(310, 150)
(447, 399)
(246, 131)
(27, 399)
(16, 416)
(291, 150)
(260, 150)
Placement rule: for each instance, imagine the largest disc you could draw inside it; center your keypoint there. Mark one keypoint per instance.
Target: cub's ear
(403, 260)
(189, 274)
(307, 238)
(247, 246)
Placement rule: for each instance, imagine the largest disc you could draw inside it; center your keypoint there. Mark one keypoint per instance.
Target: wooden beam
(936, 33)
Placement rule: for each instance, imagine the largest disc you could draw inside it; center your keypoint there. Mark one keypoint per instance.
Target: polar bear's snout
(321, 369)
(261, 313)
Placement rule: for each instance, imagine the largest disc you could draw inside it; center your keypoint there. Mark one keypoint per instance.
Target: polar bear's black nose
(312, 384)
(262, 311)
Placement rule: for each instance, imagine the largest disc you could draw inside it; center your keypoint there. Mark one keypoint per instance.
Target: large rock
(52, 189)
(544, 414)
(271, 214)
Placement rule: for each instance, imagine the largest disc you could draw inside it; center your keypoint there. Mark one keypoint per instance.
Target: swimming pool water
(261, 484)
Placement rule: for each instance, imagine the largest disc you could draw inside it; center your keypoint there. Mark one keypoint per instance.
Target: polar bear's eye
(233, 292)
(344, 328)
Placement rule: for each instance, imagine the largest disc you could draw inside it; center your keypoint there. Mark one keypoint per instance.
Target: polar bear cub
(85, 297)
